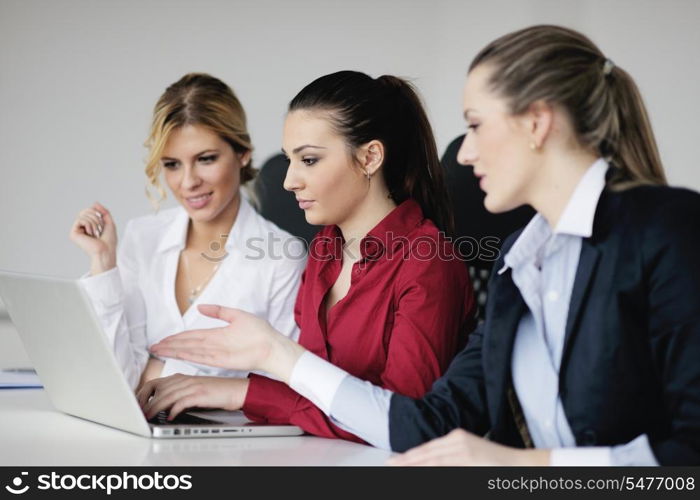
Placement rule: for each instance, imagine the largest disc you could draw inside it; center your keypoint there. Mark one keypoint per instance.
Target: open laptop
(65, 342)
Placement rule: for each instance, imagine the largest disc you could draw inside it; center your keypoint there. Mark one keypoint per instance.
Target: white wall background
(78, 80)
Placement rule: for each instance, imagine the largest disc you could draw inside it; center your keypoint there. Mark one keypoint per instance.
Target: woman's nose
(190, 179)
(292, 181)
(467, 152)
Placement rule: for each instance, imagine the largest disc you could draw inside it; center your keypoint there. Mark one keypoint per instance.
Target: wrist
(238, 394)
(283, 356)
(101, 263)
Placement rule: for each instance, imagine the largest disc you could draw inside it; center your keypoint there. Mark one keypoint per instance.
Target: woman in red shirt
(384, 295)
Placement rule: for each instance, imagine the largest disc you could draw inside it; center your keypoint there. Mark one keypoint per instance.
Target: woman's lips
(304, 204)
(199, 201)
(481, 177)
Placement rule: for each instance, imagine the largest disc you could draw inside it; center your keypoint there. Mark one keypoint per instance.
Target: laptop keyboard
(183, 418)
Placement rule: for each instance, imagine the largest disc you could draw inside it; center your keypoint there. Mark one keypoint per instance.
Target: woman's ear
(540, 117)
(372, 157)
(244, 158)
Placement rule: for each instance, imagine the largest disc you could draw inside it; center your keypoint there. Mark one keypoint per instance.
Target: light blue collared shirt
(543, 264)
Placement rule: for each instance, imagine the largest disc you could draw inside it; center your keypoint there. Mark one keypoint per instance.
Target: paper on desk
(19, 380)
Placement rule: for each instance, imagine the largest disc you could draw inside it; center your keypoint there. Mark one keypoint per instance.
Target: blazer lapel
(588, 261)
(508, 307)
(608, 206)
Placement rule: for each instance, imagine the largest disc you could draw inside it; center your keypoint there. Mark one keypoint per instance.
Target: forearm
(125, 333)
(153, 369)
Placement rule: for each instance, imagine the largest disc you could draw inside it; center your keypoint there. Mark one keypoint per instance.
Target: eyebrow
(301, 148)
(466, 113)
(198, 154)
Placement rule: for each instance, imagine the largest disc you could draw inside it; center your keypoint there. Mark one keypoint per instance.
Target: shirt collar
(576, 219)
(397, 224)
(390, 230)
(175, 235)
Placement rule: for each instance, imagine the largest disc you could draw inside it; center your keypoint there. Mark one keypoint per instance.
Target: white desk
(32, 432)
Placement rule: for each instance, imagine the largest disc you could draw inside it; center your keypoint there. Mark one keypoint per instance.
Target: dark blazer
(631, 358)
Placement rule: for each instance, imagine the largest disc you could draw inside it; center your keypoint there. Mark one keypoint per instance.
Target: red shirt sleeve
(435, 305)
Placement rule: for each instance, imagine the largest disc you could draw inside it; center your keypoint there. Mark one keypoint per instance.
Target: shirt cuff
(589, 456)
(636, 452)
(363, 410)
(269, 400)
(105, 289)
(317, 380)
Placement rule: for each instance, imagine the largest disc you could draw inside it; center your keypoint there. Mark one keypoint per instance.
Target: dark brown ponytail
(389, 110)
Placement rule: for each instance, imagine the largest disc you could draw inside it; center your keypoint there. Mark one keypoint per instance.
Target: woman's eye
(473, 126)
(208, 158)
(170, 165)
(309, 161)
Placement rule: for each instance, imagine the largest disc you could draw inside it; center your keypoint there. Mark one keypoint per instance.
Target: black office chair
(278, 205)
(479, 234)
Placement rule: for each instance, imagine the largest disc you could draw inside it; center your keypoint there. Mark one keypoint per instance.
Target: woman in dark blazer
(589, 350)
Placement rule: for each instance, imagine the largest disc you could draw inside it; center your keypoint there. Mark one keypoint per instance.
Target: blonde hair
(561, 66)
(196, 99)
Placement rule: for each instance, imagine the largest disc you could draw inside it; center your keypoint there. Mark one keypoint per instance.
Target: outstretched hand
(246, 343)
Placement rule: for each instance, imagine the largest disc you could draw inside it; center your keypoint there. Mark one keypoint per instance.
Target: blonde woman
(214, 247)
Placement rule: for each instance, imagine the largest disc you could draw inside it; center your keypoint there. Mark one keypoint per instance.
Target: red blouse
(409, 305)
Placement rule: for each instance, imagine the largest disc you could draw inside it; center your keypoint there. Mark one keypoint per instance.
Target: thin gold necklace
(195, 291)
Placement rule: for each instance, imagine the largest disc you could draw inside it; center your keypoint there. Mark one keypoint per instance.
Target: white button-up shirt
(136, 304)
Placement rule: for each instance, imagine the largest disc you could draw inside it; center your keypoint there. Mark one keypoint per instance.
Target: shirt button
(553, 295)
(371, 249)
